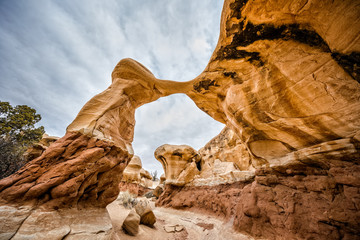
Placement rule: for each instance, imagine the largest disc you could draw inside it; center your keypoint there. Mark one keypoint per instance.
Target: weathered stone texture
(297, 202)
(76, 171)
(226, 147)
(273, 78)
(132, 171)
(181, 163)
(38, 148)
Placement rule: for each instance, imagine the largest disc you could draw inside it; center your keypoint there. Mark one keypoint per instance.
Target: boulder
(131, 223)
(144, 210)
(158, 191)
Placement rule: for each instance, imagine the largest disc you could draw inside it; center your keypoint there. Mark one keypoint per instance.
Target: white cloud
(56, 55)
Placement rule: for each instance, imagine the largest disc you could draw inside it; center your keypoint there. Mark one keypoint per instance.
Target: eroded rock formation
(75, 174)
(82, 170)
(136, 180)
(181, 163)
(146, 178)
(226, 147)
(132, 171)
(224, 160)
(277, 76)
(284, 78)
(38, 148)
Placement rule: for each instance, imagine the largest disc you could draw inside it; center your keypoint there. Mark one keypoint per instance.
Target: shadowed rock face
(284, 78)
(226, 147)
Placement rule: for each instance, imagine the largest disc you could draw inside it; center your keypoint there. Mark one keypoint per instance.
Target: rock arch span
(284, 77)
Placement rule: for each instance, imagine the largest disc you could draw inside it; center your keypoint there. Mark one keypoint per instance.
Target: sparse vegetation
(17, 133)
(127, 199)
(154, 175)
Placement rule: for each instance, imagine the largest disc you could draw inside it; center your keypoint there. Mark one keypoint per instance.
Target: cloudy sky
(55, 55)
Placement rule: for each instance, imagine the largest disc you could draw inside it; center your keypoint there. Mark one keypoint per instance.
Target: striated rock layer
(75, 174)
(38, 148)
(316, 196)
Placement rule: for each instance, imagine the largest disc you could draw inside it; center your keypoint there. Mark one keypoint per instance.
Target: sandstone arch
(284, 77)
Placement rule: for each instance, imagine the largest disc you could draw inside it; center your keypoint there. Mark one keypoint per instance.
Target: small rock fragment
(173, 228)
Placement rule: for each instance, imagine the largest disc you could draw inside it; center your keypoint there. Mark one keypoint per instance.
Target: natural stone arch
(99, 140)
(281, 77)
(274, 108)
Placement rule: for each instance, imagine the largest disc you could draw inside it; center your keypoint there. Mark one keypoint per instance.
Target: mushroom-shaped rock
(145, 174)
(146, 178)
(180, 162)
(132, 171)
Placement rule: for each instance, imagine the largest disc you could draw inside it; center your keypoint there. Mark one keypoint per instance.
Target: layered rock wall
(76, 176)
(315, 196)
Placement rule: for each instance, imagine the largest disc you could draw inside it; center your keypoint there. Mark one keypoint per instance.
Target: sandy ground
(196, 226)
